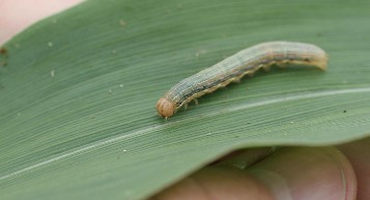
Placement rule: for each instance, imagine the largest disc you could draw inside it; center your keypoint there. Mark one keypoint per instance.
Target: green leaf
(77, 96)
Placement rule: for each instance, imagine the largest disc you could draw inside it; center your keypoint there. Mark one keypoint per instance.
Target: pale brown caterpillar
(233, 68)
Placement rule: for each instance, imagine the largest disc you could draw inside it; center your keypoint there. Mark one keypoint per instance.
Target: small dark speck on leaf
(344, 111)
(3, 51)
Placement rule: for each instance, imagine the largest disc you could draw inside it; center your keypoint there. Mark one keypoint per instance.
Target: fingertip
(357, 153)
(16, 15)
(302, 173)
(216, 183)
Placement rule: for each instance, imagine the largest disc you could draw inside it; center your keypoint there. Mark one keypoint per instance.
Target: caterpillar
(233, 68)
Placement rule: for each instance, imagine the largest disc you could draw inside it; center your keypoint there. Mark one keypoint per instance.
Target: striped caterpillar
(233, 68)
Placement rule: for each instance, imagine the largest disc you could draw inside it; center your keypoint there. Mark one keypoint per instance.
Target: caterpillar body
(233, 68)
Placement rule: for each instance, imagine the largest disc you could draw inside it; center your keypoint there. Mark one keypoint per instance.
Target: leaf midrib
(146, 130)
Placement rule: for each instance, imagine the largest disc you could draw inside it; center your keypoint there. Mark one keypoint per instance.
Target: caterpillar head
(165, 107)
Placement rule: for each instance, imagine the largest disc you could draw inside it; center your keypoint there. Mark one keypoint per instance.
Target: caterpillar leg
(282, 64)
(236, 80)
(196, 101)
(185, 106)
(251, 74)
(266, 68)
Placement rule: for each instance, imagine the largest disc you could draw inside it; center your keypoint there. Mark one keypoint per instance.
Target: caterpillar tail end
(322, 62)
(165, 108)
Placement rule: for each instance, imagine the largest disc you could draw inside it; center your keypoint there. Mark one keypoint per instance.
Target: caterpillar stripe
(233, 68)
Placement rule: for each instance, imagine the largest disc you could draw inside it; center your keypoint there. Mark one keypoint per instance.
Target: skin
(297, 173)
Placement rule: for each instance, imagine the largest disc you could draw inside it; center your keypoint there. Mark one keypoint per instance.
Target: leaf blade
(79, 134)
